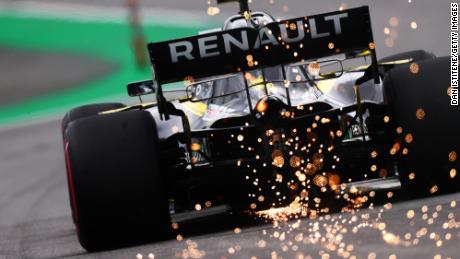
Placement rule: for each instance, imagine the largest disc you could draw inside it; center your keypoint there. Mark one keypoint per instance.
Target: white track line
(116, 14)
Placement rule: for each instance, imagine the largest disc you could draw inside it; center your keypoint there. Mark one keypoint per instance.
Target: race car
(272, 112)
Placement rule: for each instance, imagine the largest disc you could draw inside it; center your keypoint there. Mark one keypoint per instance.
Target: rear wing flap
(277, 43)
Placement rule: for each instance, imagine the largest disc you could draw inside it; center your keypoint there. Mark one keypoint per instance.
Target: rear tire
(115, 182)
(436, 135)
(79, 113)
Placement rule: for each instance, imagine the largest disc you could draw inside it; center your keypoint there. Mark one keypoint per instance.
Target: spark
(414, 68)
(393, 21)
(374, 154)
(374, 168)
(175, 226)
(339, 133)
(391, 239)
(409, 138)
(433, 189)
(343, 6)
(452, 173)
(389, 42)
(320, 181)
(372, 45)
(195, 147)
(424, 208)
(314, 68)
(452, 156)
(386, 30)
(420, 114)
(262, 243)
(410, 214)
(213, 10)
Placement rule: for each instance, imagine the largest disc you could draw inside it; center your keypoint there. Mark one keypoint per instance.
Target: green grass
(104, 40)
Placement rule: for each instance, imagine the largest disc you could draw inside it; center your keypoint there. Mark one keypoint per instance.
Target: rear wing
(277, 43)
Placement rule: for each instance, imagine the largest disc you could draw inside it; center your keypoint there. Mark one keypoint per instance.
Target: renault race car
(273, 112)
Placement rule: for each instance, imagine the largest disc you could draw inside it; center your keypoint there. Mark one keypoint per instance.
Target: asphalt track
(22, 69)
(35, 217)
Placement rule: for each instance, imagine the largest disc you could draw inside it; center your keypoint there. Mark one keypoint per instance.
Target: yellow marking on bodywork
(197, 108)
(364, 67)
(364, 53)
(140, 105)
(359, 68)
(258, 80)
(397, 62)
(114, 110)
(260, 84)
(326, 85)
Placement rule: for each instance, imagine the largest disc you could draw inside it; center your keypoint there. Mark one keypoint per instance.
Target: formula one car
(273, 112)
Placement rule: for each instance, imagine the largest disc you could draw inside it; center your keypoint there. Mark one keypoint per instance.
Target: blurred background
(57, 54)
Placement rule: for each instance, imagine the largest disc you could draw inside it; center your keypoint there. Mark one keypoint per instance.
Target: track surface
(35, 218)
(24, 77)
